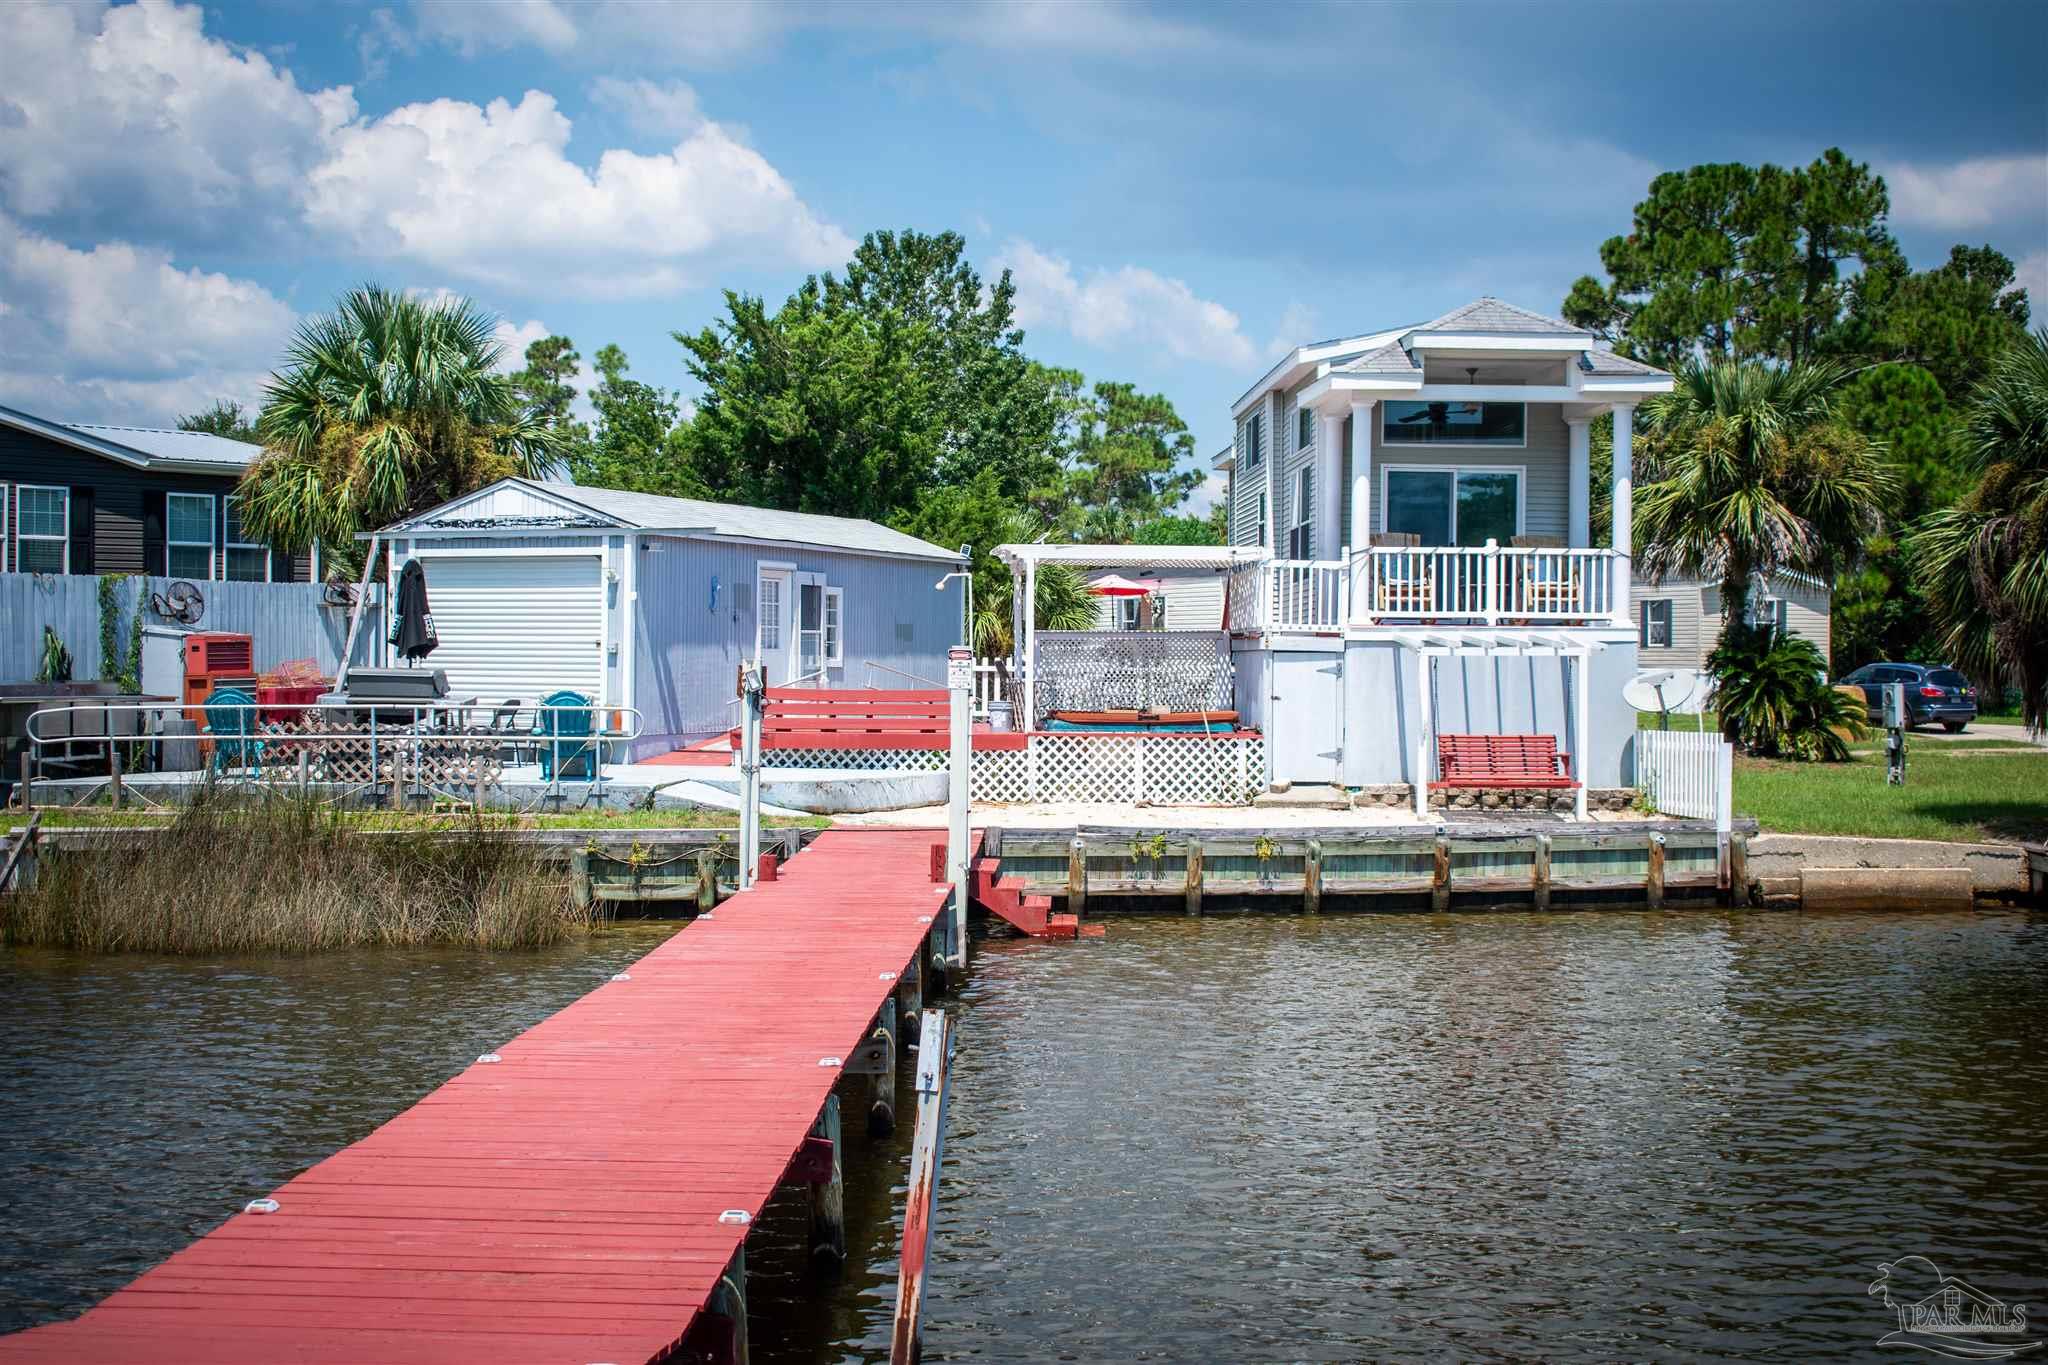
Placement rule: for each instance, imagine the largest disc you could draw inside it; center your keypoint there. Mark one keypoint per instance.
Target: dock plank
(563, 1202)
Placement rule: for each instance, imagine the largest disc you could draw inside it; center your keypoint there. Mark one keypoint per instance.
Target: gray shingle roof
(1607, 362)
(754, 523)
(1388, 359)
(1489, 314)
(183, 447)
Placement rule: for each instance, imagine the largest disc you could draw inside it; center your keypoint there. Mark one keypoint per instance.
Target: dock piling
(114, 793)
(1539, 872)
(1440, 875)
(882, 1081)
(910, 999)
(1312, 878)
(1194, 887)
(1653, 879)
(828, 1197)
(727, 1308)
(1738, 871)
(1077, 878)
(707, 879)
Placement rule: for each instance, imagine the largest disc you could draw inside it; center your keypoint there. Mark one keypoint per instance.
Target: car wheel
(1954, 727)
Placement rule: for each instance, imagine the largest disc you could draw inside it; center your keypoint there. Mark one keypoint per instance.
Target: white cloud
(472, 26)
(668, 110)
(1297, 327)
(514, 338)
(490, 194)
(1126, 305)
(2032, 272)
(1972, 193)
(133, 115)
(121, 333)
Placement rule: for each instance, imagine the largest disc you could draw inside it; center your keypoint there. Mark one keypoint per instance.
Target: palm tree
(1749, 472)
(1983, 563)
(1060, 595)
(386, 406)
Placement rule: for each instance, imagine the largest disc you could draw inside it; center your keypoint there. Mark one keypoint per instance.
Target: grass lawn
(1973, 792)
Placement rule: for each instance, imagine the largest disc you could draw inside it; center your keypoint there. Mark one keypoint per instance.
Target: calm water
(1587, 1136)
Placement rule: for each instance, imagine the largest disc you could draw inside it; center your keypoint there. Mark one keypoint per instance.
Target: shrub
(1774, 698)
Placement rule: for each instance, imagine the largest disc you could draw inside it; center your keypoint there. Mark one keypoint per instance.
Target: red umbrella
(1116, 585)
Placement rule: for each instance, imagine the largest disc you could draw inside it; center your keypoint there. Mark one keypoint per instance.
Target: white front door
(774, 643)
(1307, 726)
(517, 626)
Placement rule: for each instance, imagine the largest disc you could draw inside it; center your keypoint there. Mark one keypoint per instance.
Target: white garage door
(517, 625)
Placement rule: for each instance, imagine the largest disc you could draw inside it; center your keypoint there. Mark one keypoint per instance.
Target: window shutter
(81, 530)
(153, 545)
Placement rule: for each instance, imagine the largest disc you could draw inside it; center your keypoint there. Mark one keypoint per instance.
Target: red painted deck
(563, 1204)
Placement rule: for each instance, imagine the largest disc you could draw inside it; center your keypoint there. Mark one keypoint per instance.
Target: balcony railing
(1484, 585)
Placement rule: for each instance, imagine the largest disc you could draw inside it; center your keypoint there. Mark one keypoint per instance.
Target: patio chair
(513, 737)
(1405, 589)
(1547, 585)
(231, 725)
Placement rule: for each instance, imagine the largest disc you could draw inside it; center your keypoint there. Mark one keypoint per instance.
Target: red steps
(1010, 899)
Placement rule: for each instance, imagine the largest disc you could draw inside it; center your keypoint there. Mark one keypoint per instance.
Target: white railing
(1307, 594)
(988, 687)
(1687, 774)
(1491, 584)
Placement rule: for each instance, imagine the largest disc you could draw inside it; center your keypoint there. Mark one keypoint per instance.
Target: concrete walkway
(1985, 730)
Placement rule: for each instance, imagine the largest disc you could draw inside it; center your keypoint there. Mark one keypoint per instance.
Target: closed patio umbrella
(412, 628)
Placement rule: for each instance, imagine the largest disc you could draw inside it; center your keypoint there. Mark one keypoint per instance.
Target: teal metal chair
(563, 732)
(231, 724)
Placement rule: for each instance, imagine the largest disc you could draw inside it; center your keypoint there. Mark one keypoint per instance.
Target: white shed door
(517, 625)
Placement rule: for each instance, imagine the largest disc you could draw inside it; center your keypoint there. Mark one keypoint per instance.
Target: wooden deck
(563, 1203)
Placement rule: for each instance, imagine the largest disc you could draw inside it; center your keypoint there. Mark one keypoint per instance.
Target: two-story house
(1425, 493)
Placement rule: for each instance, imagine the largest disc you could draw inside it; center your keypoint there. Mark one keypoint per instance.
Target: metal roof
(691, 516)
(1134, 556)
(177, 447)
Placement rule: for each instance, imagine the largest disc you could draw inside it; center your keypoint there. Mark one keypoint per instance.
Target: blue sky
(1181, 191)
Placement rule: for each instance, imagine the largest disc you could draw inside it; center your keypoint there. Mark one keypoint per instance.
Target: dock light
(738, 1217)
(888, 976)
(706, 915)
(260, 1206)
(622, 976)
(488, 1058)
(831, 1061)
(924, 919)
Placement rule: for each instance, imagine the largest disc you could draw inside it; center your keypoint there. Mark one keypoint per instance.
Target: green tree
(385, 407)
(630, 447)
(224, 418)
(1128, 464)
(862, 393)
(1984, 562)
(1185, 528)
(1748, 471)
(1953, 321)
(1731, 261)
(544, 385)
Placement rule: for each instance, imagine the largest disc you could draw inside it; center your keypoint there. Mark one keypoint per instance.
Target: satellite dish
(1671, 691)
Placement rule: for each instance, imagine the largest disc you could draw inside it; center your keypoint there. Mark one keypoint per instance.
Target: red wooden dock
(565, 1202)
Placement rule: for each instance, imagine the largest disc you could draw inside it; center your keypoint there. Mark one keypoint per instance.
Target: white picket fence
(1689, 775)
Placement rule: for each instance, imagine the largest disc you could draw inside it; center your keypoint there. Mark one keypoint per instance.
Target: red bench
(855, 718)
(1501, 761)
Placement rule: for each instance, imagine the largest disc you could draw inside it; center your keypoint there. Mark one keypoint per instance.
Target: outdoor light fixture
(260, 1206)
(967, 620)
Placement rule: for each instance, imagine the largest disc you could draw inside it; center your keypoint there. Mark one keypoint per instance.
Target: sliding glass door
(1454, 506)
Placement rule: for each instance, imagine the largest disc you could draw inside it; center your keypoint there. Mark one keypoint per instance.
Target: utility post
(1895, 734)
(960, 686)
(751, 698)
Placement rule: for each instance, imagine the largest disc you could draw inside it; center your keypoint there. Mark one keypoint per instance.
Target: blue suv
(1934, 694)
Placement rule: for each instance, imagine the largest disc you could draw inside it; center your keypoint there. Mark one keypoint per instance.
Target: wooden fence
(286, 620)
(1690, 775)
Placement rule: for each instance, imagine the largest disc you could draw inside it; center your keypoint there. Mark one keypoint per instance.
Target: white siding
(518, 625)
(1193, 602)
(1696, 617)
(1546, 484)
(1297, 455)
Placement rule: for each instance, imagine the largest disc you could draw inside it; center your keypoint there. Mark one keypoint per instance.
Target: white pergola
(1427, 644)
(1025, 559)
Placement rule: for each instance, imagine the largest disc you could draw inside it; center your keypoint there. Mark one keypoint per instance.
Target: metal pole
(355, 617)
(960, 687)
(750, 772)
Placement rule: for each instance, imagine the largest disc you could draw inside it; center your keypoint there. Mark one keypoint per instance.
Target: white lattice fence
(911, 760)
(1159, 770)
(1166, 670)
(1002, 775)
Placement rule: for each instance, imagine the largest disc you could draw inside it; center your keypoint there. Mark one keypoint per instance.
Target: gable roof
(196, 452)
(1489, 314)
(652, 511)
(1391, 358)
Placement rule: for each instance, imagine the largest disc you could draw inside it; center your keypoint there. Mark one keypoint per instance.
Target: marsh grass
(286, 876)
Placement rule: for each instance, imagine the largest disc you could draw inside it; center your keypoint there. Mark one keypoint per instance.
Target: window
(1130, 613)
(771, 613)
(42, 529)
(835, 635)
(188, 535)
(247, 560)
(1454, 506)
(1304, 429)
(1656, 624)
(817, 627)
(1262, 518)
(1767, 613)
(5, 507)
(1301, 536)
(1254, 439)
(1454, 424)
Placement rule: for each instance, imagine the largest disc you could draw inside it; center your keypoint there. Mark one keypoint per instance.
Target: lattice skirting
(1158, 770)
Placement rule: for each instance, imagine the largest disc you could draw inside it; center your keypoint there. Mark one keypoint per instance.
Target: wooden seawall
(583, 1192)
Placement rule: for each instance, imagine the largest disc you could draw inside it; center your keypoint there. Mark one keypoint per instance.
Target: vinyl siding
(1246, 482)
(1546, 486)
(119, 494)
(1296, 457)
(1687, 648)
(1193, 602)
(1696, 618)
(687, 652)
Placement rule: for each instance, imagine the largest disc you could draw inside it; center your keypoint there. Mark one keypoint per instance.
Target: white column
(1624, 507)
(1582, 706)
(1424, 728)
(1030, 721)
(1579, 516)
(960, 780)
(1329, 485)
(1361, 506)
